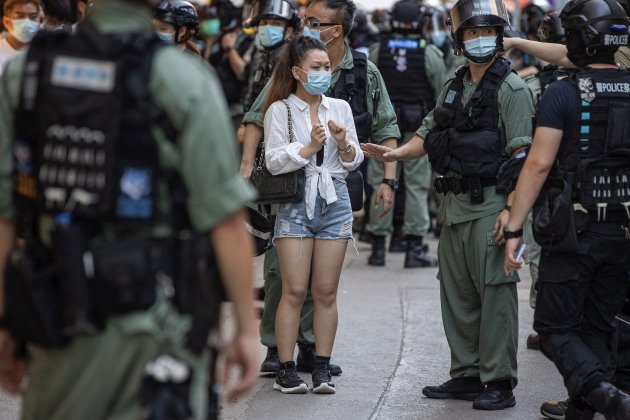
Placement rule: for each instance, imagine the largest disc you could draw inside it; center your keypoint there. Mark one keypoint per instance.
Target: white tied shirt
(283, 157)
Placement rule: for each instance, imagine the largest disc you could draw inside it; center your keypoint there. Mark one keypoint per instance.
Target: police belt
(445, 185)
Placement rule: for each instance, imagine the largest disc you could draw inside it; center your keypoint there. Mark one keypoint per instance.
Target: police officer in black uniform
(580, 164)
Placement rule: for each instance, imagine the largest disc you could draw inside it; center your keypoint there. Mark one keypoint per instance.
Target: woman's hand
(318, 138)
(338, 132)
(378, 152)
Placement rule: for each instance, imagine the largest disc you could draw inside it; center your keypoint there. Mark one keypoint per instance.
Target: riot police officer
(482, 117)
(580, 140)
(276, 21)
(414, 72)
(123, 179)
(177, 22)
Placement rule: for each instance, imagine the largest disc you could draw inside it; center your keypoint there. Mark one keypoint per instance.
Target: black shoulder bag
(278, 189)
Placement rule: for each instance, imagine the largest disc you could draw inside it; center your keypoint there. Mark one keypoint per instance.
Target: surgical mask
(317, 34)
(270, 35)
(210, 27)
(167, 37)
(481, 47)
(318, 82)
(24, 30)
(438, 38)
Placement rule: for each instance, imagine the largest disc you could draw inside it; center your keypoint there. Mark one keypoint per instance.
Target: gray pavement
(390, 343)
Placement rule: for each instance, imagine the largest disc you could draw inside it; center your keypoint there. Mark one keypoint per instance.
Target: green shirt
(384, 125)
(185, 87)
(515, 120)
(434, 65)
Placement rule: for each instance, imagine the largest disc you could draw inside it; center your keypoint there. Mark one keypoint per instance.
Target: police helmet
(594, 27)
(406, 16)
(477, 14)
(551, 30)
(178, 13)
(275, 9)
(532, 16)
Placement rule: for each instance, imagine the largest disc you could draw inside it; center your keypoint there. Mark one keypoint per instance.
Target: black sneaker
(306, 360)
(554, 409)
(271, 364)
(457, 388)
(322, 382)
(288, 381)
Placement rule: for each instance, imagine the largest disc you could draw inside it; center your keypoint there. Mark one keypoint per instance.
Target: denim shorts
(332, 221)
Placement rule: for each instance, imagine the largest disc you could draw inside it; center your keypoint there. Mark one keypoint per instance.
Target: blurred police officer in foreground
(482, 117)
(414, 72)
(359, 82)
(579, 163)
(126, 185)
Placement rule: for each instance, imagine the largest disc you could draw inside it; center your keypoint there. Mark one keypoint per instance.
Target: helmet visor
(487, 12)
(271, 8)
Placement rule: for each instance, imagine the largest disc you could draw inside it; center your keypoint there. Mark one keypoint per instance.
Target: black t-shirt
(559, 108)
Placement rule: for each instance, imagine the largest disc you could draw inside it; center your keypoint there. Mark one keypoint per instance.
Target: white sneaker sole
(324, 389)
(301, 389)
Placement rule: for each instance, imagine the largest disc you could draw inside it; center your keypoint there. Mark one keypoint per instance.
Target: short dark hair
(345, 12)
(8, 6)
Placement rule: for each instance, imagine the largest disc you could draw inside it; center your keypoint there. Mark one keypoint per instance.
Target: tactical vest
(262, 73)
(402, 65)
(74, 157)
(352, 88)
(598, 157)
(467, 139)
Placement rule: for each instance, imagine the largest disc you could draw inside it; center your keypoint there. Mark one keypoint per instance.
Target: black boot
(271, 364)
(610, 401)
(496, 396)
(378, 251)
(418, 254)
(398, 242)
(306, 360)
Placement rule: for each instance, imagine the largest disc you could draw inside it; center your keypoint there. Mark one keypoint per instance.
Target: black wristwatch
(391, 182)
(508, 234)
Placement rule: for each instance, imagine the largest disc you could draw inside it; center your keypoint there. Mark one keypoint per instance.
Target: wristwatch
(391, 182)
(508, 234)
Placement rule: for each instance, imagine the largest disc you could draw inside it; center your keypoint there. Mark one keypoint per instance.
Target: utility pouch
(363, 125)
(198, 288)
(554, 220)
(603, 181)
(354, 182)
(618, 130)
(165, 390)
(32, 301)
(437, 146)
(123, 277)
(476, 189)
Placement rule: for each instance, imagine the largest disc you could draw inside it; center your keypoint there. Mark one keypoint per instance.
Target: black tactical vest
(352, 88)
(262, 73)
(598, 157)
(467, 139)
(83, 144)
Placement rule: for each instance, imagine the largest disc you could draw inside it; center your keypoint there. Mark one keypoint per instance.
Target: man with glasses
(360, 83)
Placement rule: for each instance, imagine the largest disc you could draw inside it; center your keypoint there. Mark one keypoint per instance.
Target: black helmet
(477, 14)
(532, 16)
(594, 25)
(406, 16)
(178, 13)
(275, 9)
(551, 30)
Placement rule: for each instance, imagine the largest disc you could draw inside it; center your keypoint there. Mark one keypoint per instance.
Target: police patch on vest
(406, 44)
(135, 200)
(85, 74)
(603, 87)
(450, 96)
(587, 92)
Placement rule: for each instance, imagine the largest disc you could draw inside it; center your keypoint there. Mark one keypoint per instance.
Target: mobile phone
(520, 251)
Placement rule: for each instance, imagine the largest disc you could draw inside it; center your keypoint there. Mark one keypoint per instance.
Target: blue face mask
(318, 82)
(438, 38)
(270, 35)
(481, 47)
(316, 33)
(166, 37)
(24, 30)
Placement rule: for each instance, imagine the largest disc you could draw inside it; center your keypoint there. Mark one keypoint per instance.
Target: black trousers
(579, 296)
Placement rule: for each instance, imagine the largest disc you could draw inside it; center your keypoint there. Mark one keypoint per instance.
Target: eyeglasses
(314, 24)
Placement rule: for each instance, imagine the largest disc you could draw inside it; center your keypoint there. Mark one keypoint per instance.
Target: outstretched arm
(552, 53)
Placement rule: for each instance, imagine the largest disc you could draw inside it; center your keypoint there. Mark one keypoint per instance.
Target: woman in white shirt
(311, 236)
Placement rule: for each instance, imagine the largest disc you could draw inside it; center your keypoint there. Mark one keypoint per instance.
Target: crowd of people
(130, 131)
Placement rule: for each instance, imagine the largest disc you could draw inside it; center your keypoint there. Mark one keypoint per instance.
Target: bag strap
(289, 119)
